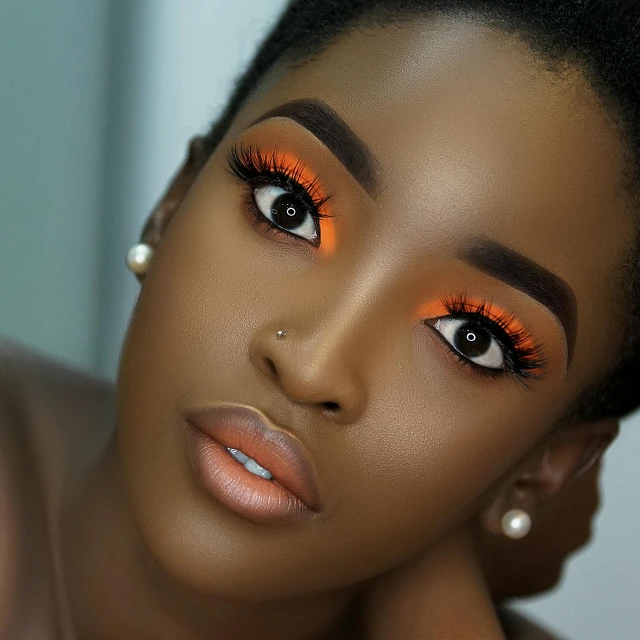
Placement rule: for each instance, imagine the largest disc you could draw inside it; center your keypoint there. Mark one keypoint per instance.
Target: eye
(492, 341)
(283, 195)
(472, 341)
(286, 211)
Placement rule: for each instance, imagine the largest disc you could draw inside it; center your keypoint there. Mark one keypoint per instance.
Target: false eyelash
(252, 166)
(523, 358)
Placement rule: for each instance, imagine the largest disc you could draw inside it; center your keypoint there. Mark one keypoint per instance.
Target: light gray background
(97, 101)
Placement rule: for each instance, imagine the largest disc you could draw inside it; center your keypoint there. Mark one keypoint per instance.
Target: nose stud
(281, 334)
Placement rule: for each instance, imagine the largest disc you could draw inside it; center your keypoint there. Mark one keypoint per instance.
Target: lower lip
(254, 498)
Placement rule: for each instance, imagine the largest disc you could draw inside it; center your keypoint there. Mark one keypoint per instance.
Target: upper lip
(247, 429)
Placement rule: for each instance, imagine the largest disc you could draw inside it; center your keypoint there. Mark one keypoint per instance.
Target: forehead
(447, 97)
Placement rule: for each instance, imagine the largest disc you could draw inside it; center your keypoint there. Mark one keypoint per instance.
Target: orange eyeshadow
(293, 166)
(438, 308)
(327, 236)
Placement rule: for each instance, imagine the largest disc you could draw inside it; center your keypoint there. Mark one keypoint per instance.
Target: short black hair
(599, 37)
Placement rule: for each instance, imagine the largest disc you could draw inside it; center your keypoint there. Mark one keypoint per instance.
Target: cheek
(420, 461)
(200, 302)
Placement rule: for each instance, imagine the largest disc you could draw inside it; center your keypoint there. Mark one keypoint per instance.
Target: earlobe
(139, 256)
(511, 512)
(565, 457)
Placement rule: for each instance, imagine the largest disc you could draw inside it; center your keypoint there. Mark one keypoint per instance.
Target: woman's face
(438, 323)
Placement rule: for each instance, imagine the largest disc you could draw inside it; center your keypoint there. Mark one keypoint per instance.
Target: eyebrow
(327, 126)
(527, 276)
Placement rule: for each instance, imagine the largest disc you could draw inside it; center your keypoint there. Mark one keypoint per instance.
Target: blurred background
(98, 101)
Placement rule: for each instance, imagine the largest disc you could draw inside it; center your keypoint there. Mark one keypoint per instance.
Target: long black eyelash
(523, 361)
(250, 165)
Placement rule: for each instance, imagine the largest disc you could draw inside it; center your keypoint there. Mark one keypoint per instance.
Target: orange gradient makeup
(328, 236)
(521, 354)
(291, 179)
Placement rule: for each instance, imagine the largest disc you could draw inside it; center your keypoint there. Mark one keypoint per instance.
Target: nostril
(271, 367)
(331, 406)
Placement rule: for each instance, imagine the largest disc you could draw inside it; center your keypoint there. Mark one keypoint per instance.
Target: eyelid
(312, 183)
(299, 172)
(277, 160)
(438, 309)
(274, 160)
(529, 362)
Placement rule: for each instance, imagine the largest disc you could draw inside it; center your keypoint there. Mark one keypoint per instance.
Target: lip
(290, 495)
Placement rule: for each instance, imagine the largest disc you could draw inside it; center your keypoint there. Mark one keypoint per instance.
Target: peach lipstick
(267, 477)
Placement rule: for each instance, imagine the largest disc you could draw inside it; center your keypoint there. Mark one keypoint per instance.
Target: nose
(313, 366)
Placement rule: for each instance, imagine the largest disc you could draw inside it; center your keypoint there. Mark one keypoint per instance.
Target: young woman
(389, 308)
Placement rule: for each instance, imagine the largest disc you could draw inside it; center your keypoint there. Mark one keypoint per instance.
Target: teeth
(238, 455)
(249, 464)
(254, 467)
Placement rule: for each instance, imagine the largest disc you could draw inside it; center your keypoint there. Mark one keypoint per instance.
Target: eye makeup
(492, 341)
(284, 197)
(526, 275)
(278, 181)
(325, 124)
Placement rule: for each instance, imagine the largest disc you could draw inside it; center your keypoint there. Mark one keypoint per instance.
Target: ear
(541, 478)
(173, 197)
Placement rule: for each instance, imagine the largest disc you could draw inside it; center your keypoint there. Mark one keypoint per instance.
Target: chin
(211, 551)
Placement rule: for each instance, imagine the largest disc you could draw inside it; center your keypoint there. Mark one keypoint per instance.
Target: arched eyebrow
(327, 126)
(527, 276)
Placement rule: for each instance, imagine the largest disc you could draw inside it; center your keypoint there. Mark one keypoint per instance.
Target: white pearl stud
(139, 257)
(516, 524)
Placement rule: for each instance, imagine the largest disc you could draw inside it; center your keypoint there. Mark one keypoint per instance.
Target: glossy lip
(293, 491)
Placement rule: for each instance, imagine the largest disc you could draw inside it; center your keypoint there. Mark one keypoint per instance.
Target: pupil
(288, 212)
(472, 340)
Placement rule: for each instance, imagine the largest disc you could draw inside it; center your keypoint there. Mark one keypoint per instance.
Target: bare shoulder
(519, 627)
(10, 538)
(53, 419)
(65, 413)
(33, 378)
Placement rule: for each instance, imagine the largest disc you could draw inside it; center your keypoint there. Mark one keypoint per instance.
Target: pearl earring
(139, 257)
(516, 524)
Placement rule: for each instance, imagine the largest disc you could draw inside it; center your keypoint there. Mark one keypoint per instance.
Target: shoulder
(64, 414)
(31, 378)
(10, 520)
(52, 417)
(518, 627)
(54, 420)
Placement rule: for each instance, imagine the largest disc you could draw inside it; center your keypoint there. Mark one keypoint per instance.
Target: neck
(114, 589)
(442, 594)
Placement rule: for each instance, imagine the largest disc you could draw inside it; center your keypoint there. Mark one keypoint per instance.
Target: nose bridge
(355, 319)
(336, 341)
(331, 340)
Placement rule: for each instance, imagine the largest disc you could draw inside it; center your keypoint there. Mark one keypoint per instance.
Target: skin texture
(414, 451)
(54, 421)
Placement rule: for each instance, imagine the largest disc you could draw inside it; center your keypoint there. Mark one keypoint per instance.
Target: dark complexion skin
(53, 424)
(475, 144)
